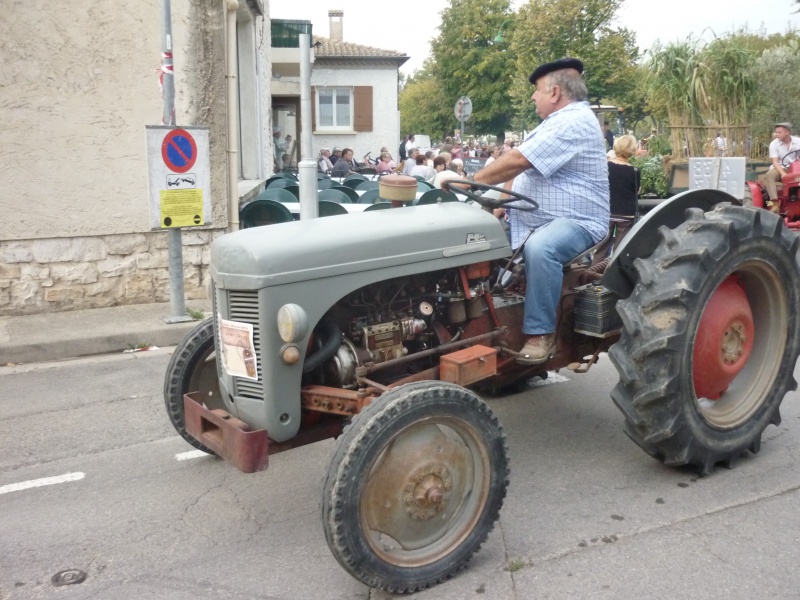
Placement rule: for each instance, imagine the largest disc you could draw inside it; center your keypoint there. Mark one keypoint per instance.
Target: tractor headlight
(292, 323)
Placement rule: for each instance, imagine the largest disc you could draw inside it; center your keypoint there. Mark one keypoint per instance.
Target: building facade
(80, 85)
(354, 93)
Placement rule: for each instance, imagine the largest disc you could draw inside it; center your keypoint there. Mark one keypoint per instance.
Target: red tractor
(787, 203)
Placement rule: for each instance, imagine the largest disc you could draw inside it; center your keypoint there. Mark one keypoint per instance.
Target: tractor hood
(433, 236)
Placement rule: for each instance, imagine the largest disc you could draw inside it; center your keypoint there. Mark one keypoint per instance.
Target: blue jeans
(546, 252)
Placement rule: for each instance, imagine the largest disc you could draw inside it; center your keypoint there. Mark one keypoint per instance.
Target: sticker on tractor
(238, 351)
(476, 238)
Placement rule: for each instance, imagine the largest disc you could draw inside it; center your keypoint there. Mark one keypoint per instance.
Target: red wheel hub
(724, 340)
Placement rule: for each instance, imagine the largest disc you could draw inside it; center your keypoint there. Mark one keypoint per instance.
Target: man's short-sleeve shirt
(778, 150)
(569, 174)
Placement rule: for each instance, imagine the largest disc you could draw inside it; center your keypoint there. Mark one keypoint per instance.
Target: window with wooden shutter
(333, 109)
(362, 108)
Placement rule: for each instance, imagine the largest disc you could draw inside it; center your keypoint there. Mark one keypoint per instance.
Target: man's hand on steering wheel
(468, 188)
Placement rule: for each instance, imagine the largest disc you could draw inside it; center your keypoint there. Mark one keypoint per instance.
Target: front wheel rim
(417, 507)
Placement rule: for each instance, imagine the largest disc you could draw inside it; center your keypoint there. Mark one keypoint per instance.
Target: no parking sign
(179, 176)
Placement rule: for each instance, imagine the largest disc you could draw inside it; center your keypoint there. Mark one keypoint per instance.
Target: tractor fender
(642, 240)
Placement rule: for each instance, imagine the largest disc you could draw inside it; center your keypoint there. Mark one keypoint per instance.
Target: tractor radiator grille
(214, 315)
(243, 307)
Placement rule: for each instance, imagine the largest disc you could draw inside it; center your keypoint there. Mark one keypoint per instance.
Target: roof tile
(328, 48)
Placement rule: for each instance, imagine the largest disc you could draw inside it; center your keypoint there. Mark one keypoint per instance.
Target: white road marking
(552, 377)
(34, 483)
(191, 454)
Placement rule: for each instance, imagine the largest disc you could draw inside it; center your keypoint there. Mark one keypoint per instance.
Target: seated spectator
(429, 158)
(422, 169)
(324, 164)
(439, 165)
(624, 179)
(385, 163)
(447, 158)
(344, 166)
(494, 155)
(451, 172)
(336, 155)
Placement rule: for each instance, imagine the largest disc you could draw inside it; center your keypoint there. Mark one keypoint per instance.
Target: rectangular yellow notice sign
(181, 208)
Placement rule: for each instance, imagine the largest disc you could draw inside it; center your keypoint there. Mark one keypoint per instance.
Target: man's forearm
(778, 166)
(504, 168)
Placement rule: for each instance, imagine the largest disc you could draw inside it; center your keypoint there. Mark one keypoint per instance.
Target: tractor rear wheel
(710, 338)
(415, 486)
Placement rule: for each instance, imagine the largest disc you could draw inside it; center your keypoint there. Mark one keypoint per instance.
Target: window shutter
(362, 111)
(313, 109)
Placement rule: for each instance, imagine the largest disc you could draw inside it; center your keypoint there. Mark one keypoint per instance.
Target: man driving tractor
(783, 144)
(562, 165)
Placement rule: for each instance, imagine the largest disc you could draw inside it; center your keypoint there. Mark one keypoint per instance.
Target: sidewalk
(53, 336)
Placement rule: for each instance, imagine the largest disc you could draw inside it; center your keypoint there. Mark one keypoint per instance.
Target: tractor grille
(243, 307)
(214, 315)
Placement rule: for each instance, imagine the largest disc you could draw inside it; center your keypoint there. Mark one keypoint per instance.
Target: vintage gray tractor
(375, 329)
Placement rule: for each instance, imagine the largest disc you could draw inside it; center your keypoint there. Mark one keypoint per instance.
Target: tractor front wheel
(415, 486)
(192, 368)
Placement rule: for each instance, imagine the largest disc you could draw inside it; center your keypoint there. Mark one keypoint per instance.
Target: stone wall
(48, 275)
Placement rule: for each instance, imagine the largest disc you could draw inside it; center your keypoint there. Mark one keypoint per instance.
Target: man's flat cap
(785, 125)
(556, 65)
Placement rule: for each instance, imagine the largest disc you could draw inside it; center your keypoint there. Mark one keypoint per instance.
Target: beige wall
(80, 82)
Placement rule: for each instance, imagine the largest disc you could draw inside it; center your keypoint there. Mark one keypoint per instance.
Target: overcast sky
(409, 26)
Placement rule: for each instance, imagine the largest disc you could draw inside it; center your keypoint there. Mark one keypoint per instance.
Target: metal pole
(232, 93)
(177, 302)
(307, 167)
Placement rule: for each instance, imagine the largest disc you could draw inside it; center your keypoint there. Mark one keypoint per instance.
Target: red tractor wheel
(710, 340)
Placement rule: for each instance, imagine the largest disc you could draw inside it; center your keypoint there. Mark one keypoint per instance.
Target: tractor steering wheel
(488, 202)
(796, 157)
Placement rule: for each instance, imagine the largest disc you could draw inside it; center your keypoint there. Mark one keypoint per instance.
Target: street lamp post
(498, 39)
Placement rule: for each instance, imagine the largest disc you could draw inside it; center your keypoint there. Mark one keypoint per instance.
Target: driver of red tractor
(783, 144)
(562, 165)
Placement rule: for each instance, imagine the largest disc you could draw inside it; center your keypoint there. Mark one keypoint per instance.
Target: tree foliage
(778, 90)
(424, 108)
(465, 62)
(633, 101)
(547, 30)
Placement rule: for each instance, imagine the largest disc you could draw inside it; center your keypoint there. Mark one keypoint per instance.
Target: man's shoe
(537, 350)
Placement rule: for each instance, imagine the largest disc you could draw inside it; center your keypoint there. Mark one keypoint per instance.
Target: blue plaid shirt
(569, 177)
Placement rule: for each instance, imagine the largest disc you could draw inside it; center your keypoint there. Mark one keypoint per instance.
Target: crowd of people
(436, 165)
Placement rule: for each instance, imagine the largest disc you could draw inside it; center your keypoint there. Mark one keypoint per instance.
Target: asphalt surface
(588, 514)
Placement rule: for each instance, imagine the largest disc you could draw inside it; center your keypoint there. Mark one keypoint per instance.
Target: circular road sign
(179, 150)
(463, 108)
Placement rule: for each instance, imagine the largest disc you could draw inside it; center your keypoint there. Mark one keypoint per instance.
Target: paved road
(588, 514)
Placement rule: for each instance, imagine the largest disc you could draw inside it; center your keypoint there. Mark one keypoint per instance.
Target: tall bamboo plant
(703, 89)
